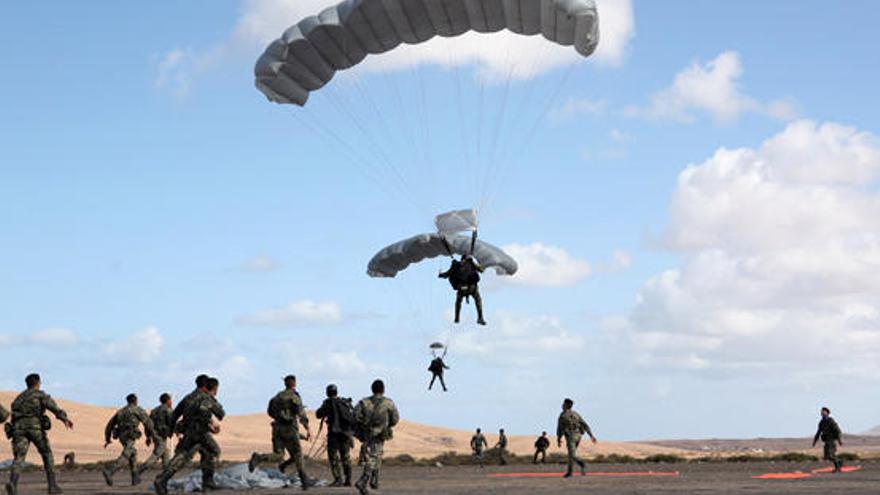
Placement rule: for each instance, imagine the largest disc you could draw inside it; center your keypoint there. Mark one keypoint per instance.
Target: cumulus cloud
(495, 57)
(331, 364)
(712, 88)
(782, 258)
(140, 347)
(517, 339)
(263, 264)
(541, 265)
(576, 107)
(297, 314)
(53, 338)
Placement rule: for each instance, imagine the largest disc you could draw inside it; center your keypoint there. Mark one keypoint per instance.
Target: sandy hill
(242, 435)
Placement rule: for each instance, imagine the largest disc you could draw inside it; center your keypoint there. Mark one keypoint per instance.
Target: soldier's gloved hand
(68, 424)
(215, 428)
(149, 441)
(593, 440)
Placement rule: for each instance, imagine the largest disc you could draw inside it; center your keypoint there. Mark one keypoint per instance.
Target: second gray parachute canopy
(310, 52)
(397, 257)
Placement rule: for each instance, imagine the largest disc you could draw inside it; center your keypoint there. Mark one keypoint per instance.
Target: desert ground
(708, 478)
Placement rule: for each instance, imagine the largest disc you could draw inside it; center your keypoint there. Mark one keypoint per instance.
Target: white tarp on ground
(239, 478)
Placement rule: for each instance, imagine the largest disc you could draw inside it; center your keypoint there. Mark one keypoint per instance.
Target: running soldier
(125, 427)
(478, 443)
(163, 430)
(338, 414)
(375, 416)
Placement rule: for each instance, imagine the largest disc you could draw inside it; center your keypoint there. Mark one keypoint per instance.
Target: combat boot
(305, 481)
(337, 482)
(583, 468)
(347, 470)
(161, 485)
(361, 484)
(255, 459)
(135, 477)
(284, 465)
(374, 480)
(108, 476)
(54, 489)
(567, 474)
(12, 486)
(208, 481)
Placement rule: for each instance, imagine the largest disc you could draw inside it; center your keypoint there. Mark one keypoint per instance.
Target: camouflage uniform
(29, 426)
(178, 425)
(572, 426)
(4, 414)
(376, 416)
(829, 432)
(163, 430)
(196, 425)
(339, 443)
(478, 441)
(125, 426)
(502, 449)
(541, 446)
(287, 411)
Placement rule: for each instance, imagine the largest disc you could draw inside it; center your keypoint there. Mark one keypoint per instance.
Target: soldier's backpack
(343, 416)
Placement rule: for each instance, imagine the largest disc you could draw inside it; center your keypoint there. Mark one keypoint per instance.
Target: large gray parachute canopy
(310, 52)
(396, 257)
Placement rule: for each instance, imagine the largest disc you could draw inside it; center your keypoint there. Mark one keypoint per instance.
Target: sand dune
(243, 434)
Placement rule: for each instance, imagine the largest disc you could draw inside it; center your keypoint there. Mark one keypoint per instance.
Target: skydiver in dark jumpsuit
(464, 276)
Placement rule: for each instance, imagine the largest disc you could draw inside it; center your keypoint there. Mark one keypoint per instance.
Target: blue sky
(161, 218)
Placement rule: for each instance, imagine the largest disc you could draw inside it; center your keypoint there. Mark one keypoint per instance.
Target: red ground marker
(589, 473)
(797, 475)
(828, 470)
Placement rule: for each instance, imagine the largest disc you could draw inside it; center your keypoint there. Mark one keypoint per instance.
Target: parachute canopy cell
(309, 53)
(397, 257)
(457, 221)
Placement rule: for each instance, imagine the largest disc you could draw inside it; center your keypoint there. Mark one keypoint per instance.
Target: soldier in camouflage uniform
(197, 426)
(541, 446)
(339, 432)
(287, 412)
(182, 406)
(831, 436)
(163, 430)
(29, 425)
(478, 442)
(502, 447)
(125, 426)
(571, 426)
(375, 416)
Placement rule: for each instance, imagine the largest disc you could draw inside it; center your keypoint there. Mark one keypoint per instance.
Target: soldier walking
(541, 446)
(375, 416)
(287, 412)
(572, 426)
(125, 427)
(478, 443)
(163, 429)
(29, 426)
(338, 414)
(502, 447)
(831, 436)
(198, 427)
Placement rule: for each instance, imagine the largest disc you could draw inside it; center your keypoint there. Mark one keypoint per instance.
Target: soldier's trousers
(128, 457)
(338, 453)
(502, 456)
(542, 453)
(436, 376)
(830, 452)
(478, 454)
(160, 453)
(571, 446)
(285, 438)
(21, 442)
(474, 292)
(204, 444)
(373, 452)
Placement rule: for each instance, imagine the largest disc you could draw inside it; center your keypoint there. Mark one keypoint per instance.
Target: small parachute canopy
(454, 222)
(397, 257)
(310, 52)
(437, 346)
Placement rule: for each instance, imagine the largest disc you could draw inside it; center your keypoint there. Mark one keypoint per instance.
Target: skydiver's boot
(347, 471)
(161, 484)
(252, 464)
(361, 484)
(374, 480)
(458, 299)
(54, 489)
(208, 481)
(108, 476)
(837, 466)
(135, 476)
(12, 485)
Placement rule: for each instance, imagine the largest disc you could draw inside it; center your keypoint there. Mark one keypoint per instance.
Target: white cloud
(517, 339)
(140, 347)
(620, 260)
(712, 88)
(332, 365)
(297, 314)
(782, 259)
(541, 265)
(575, 107)
(262, 264)
(495, 57)
(54, 337)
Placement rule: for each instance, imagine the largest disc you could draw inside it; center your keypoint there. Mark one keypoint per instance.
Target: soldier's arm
(217, 410)
(303, 417)
(108, 430)
(178, 411)
(324, 410)
(149, 430)
(51, 406)
(818, 433)
(837, 432)
(393, 415)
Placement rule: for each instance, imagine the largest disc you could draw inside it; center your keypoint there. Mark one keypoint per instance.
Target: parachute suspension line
(493, 166)
(426, 120)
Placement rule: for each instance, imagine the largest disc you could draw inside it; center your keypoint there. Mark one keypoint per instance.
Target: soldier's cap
(290, 378)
